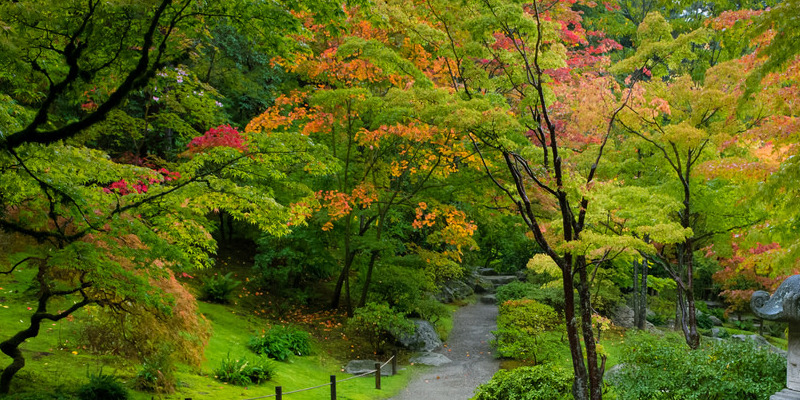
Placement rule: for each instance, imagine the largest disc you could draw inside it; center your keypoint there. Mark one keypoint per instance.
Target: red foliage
(123, 187)
(747, 271)
(221, 136)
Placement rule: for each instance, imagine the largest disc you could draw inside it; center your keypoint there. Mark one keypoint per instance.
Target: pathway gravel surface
(473, 361)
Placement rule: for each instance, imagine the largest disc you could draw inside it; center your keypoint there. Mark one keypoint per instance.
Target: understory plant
(242, 372)
(664, 368)
(103, 387)
(539, 382)
(279, 342)
(218, 288)
(521, 328)
(379, 325)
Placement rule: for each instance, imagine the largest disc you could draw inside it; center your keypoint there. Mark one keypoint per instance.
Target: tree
(368, 108)
(683, 126)
(518, 74)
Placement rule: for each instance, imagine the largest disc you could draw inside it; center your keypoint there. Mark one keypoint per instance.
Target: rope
(326, 384)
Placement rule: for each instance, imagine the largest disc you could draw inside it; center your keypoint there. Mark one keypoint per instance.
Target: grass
(56, 362)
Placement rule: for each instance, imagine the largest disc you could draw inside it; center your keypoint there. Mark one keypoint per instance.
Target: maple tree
(388, 154)
(518, 73)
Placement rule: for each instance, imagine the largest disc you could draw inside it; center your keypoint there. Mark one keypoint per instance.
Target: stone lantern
(784, 306)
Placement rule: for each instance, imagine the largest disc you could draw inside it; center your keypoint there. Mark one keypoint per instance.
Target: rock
(428, 358)
(487, 271)
(358, 367)
(716, 321)
(522, 275)
(489, 299)
(623, 316)
(453, 290)
(481, 285)
(500, 280)
(761, 342)
(719, 332)
(424, 337)
(611, 376)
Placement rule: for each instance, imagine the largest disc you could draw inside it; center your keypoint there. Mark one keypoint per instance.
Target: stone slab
(434, 359)
(786, 394)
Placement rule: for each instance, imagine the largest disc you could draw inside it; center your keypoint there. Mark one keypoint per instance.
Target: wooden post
(333, 387)
(278, 392)
(378, 375)
(394, 363)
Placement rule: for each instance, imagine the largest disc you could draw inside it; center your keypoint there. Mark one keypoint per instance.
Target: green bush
(704, 321)
(656, 319)
(103, 387)
(280, 342)
(527, 383)
(157, 374)
(521, 324)
(243, 373)
(218, 288)
(379, 324)
(401, 288)
(664, 368)
(515, 290)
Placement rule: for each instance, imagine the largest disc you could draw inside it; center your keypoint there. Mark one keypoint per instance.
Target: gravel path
(473, 362)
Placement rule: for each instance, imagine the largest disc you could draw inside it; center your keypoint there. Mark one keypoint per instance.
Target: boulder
(480, 285)
(487, 271)
(500, 280)
(611, 376)
(424, 337)
(359, 367)
(489, 299)
(453, 290)
(717, 332)
(761, 342)
(623, 317)
(428, 358)
(715, 320)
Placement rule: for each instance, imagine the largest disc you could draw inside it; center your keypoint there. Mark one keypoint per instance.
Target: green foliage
(279, 342)
(520, 328)
(218, 288)
(157, 374)
(286, 262)
(704, 321)
(539, 382)
(379, 324)
(242, 372)
(103, 387)
(664, 368)
(401, 288)
(516, 290)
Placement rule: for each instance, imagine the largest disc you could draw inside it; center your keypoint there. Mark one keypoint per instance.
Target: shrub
(218, 288)
(379, 324)
(157, 374)
(243, 373)
(398, 287)
(664, 368)
(280, 342)
(515, 290)
(527, 383)
(704, 321)
(141, 333)
(521, 324)
(103, 387)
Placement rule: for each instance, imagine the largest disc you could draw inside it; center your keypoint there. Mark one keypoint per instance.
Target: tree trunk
(595, 371)
(643, 298)
(640, 294)
(365, 289)
(580, 386)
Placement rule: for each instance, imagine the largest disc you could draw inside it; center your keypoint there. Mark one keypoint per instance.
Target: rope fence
(377, 371)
